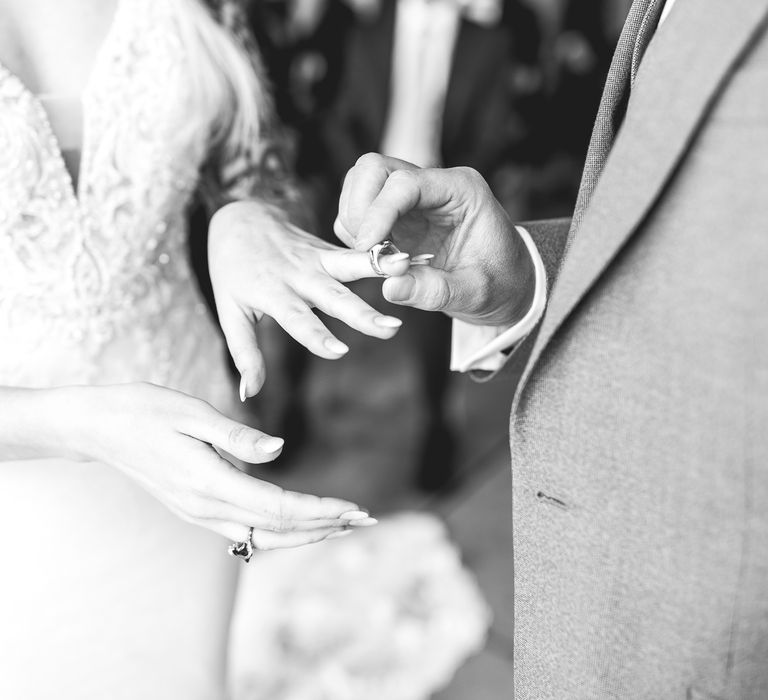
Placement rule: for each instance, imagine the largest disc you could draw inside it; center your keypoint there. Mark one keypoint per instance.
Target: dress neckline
(75, 189)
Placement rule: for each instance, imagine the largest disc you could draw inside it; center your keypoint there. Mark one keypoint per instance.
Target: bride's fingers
(228, 512)
(264, 540)
(248, 444)
(351, 265)
(299, 321)
(239, 329)
(338, 301)
(279, 509)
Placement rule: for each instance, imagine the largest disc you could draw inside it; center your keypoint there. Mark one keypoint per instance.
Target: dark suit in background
(480, 128)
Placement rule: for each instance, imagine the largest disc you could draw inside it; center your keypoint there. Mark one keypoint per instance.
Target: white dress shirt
(486, 348)
(422, 56)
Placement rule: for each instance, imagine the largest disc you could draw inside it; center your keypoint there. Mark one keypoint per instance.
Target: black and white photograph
(384, 349)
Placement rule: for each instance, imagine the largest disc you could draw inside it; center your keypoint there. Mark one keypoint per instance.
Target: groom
(639, 427)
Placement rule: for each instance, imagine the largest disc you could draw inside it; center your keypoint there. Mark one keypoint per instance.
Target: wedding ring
(243, 550)
(383, 248)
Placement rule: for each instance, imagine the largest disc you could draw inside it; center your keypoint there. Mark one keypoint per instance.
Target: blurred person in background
(428, 81)
(581, 37)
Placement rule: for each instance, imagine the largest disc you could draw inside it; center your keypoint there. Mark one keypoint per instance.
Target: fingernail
(271, 444)
(368, 522)
(396, 257)
(402, 290)
(354, 515)
(340, 533)
(425, 259)
(336, 346)
(243, 383)
(388, 322)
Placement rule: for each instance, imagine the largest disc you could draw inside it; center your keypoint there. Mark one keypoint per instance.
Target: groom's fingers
(431, 289)
(362, 185)
(239, 330)
(450, 193)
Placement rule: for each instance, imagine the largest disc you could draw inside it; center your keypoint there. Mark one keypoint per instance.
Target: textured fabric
(105, 593)
(637, 32)
(639, 454)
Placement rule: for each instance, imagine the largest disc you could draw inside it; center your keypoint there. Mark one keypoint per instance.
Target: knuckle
(238, 435)
(370, 160)
(280, 521)
(469, 174)
(295, 314)
(402, 178)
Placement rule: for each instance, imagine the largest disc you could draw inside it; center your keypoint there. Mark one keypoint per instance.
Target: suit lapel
(684, 68)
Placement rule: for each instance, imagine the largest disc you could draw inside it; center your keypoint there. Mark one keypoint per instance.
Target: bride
(114, 496)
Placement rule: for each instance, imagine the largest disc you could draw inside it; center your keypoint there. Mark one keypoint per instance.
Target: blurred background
(505, 86)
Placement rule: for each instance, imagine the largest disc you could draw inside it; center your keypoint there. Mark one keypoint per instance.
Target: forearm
(37, 423)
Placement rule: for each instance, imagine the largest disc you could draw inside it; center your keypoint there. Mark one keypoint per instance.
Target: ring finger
(265, 540)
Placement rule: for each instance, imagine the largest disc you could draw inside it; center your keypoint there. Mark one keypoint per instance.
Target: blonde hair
(230, 88)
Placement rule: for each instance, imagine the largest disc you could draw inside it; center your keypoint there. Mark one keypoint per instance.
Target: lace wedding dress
(103, 592)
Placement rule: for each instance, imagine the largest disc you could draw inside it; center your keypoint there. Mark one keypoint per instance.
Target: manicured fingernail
(425, 259)
(354, 515)
(368, 522)
(388, 322)
(340, 533)
(396, 257)
(336, 346)
(271, 444)
(243, 387)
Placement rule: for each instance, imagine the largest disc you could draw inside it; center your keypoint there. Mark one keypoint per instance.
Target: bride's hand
(262, 265)
(164, 440)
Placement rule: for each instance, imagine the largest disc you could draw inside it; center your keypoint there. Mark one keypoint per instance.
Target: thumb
(426, 288)
(239, 330)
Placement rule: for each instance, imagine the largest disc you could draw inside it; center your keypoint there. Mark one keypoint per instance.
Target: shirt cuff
(487, 348)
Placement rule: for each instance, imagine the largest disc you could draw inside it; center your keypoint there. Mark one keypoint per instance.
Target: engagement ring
(243, 550)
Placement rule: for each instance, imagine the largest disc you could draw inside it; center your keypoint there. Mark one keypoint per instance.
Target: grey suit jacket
(639, 429)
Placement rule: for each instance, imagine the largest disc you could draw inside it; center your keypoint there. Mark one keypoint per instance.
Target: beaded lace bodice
(95, 284)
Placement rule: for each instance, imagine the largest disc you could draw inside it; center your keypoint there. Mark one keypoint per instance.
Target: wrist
(71, 417)
(36, 424)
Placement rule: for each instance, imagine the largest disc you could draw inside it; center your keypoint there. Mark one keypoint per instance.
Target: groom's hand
(482, 272)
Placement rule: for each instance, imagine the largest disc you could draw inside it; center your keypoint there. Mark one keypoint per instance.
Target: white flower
(388, 614)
